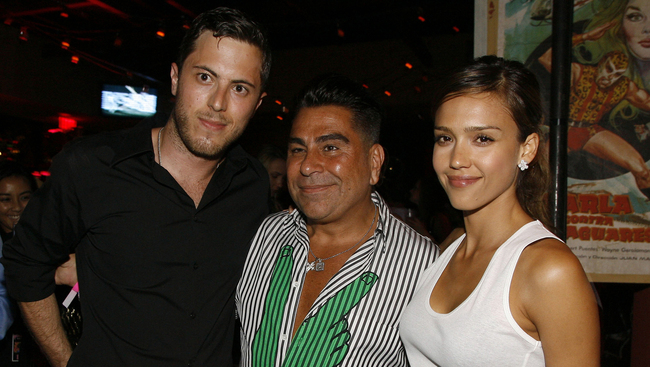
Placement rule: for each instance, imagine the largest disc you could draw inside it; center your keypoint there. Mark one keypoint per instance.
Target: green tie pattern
(321, 340)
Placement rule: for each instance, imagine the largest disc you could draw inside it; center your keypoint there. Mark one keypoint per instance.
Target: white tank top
(480, 331)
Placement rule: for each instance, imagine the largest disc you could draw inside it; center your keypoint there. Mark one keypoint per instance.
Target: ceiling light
(23, 35)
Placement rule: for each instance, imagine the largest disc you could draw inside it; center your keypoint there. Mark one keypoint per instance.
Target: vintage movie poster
(608, 218)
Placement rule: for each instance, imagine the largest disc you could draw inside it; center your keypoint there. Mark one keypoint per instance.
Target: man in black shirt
(160, 216)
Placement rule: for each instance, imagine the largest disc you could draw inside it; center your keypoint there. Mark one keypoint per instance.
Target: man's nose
(311, 163)
(219, 99)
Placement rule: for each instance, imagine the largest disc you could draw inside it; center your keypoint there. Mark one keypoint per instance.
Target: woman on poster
(595, 91)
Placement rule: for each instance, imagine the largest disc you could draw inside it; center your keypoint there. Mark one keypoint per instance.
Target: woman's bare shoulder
(548, 262)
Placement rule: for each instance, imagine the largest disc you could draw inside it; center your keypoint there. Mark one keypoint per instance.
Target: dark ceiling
(368, 40)
(120, 35)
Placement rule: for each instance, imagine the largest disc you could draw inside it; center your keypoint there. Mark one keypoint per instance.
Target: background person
(274, 160)
(508, 292)
(16, 188)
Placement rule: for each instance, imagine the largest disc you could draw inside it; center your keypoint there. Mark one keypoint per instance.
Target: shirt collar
(137, 140)
(384, 213)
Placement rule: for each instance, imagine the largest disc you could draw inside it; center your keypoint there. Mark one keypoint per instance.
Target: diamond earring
(523, 165)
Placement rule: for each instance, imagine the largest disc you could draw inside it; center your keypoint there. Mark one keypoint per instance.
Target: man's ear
(260, 101)
(174, 75)
(376, 157)
(529, 147)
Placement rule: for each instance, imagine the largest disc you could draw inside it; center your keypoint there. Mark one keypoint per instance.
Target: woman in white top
(508, 292)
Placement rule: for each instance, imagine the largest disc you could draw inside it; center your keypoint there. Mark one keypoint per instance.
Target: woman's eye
(634, 17)
(484, 139)
(441, 139)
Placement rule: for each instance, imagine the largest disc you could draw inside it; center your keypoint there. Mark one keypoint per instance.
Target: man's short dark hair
(231, 23)
(338, 90)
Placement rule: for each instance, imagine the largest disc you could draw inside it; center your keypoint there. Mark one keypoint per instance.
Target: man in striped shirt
(325, 285)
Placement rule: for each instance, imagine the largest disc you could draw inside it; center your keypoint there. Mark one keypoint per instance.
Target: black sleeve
(48, 231)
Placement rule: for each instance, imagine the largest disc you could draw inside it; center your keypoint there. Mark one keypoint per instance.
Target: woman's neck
(490, 226)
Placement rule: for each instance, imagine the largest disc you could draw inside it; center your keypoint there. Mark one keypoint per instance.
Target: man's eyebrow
(203, 67)
(235, 81)
(321, 139)
(335, 136)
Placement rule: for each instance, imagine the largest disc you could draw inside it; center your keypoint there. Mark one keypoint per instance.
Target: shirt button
(195, 266)
(295, 284)
(192, 315)
(284, 337)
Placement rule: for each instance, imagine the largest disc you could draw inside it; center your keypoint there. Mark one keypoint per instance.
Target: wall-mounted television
(129, 101)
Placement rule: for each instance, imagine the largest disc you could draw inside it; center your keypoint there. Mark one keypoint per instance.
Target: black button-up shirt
(157, 275)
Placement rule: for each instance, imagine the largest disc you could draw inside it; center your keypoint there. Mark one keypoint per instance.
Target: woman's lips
(462, 181)
(645, 43)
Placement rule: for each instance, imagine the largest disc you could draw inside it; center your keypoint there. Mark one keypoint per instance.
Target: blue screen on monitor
(126, 100)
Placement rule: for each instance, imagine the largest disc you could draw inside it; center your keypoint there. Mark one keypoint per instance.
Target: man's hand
(322, 340)
(598, 32)
(66, 274)
(593, 34)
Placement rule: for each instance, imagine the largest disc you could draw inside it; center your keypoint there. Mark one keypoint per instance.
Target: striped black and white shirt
(354, 320)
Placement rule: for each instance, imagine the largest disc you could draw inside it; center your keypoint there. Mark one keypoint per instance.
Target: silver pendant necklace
(319, 264)
(159, 154)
